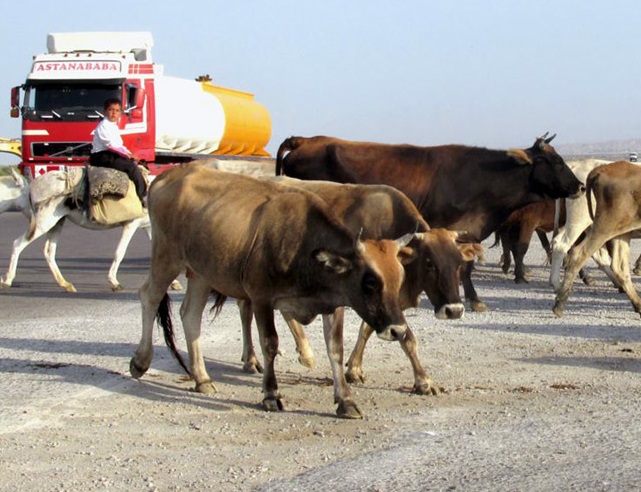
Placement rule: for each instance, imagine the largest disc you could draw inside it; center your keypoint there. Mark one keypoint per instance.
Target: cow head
(374, 281)
(438, 265)
(550, 177)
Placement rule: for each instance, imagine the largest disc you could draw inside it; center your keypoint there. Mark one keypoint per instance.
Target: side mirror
(15, 102)
(135, 101)
(141, 94)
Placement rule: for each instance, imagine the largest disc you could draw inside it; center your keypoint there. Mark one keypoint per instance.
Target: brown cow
(274, 246)
(380, 211)
(617, 216)
(516, 232)
(472, 189)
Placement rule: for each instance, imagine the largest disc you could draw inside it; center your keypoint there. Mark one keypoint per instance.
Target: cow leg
(51, 246)
(621, 269)
(585, 276)
(604, 260)
(128, 231)
(637, 266)
(269, 345)
(566, 239)
(333, 331)
(468, 288)
(354, 373)
(577, 259)
(305, 353)
(165, 267)
(251, 364)
(191, 313)
(545, 243)
(520, 249)
(422, 383)
(506, 257)
(521, 245)
(145, 225)
(43, 221)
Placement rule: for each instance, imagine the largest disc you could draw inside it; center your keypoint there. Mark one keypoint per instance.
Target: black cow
(454, 186)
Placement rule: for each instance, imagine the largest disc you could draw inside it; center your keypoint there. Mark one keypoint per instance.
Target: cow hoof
(175, 285)
(272, 404)
(5, 285)
(206, 388)
(308, 362)
(354, 376)
(589, 281)
(117, 288)
(69, 288)
(136, 371)
(521, 280)
(558, 310)
(637, 270)
(478, 307)
(253, 368)
(425, 388)
(347, 409)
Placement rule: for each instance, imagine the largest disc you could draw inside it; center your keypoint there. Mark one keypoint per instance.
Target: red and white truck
(166, 120)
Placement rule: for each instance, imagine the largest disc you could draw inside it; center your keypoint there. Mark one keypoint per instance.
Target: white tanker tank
(198, 117)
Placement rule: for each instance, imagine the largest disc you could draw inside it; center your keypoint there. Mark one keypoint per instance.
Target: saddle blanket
(111, 210)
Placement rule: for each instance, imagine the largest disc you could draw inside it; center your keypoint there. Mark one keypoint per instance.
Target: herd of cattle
(364, 225)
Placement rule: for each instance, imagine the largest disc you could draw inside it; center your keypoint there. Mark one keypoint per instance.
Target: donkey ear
(333, 262)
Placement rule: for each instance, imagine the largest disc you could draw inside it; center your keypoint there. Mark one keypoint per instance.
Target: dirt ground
(529, 402)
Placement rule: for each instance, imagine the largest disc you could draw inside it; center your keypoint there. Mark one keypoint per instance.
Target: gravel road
(529, 402)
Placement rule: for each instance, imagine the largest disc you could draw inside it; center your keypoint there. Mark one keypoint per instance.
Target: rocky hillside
(611, 149)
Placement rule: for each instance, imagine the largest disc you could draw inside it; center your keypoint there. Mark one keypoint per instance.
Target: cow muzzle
(450, 311)
(393, 333)
(580, 192)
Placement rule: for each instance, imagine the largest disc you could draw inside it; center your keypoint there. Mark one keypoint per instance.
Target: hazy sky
(495, 73)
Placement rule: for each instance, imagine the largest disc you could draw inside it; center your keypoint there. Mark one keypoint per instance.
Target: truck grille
(61, 149)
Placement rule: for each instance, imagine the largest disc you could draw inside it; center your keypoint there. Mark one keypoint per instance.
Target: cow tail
(289, 144)
(218, 303)
(497, 239)
(589, 185)
(163, 316)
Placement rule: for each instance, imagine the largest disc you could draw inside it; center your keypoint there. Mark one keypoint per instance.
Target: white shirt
(107, 136)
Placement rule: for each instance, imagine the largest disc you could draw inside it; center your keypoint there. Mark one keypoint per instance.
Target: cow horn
(543, 137)
(549, 139)
(358, 242)
(404, 240)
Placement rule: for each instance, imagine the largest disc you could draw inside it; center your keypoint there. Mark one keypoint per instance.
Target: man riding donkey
(109, 150)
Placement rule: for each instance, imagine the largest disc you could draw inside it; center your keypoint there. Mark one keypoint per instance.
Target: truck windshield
(62, 101)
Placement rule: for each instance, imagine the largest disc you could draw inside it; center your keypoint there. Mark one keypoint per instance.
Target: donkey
(52, 198)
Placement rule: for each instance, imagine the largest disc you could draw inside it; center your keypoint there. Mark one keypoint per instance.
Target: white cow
(577, 220)
(49, 210)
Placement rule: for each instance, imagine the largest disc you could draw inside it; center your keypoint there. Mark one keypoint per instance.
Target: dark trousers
(112, 160)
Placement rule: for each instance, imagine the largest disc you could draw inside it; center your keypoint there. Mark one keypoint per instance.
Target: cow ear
(332, 261)
(406, 255)
(470, 251)
(520, 156)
